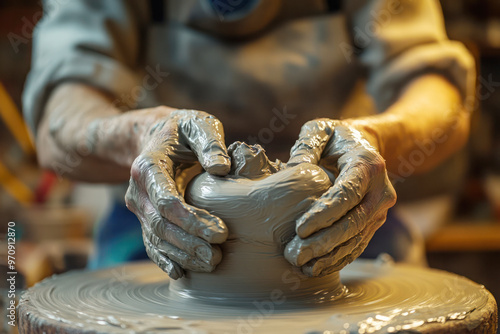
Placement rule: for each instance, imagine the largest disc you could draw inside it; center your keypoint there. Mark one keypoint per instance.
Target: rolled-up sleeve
(398, 40)
(91, 41)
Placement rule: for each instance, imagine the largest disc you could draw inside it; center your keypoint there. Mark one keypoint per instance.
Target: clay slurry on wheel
(381, 298)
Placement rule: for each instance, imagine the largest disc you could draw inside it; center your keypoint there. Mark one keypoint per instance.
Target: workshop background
(54, 217)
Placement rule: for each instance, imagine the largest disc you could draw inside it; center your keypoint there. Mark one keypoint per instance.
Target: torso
(265, 80)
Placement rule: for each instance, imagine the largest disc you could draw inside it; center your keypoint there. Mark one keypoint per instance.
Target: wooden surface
(466, 237)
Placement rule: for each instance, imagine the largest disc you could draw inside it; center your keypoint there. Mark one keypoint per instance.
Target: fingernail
(317, 268)
(173, 271)
(294, 161)
(204, 253)
(308, 271)
(218, 165)
(215, 234)
(205, 267)
(303, 230)
(304, 256)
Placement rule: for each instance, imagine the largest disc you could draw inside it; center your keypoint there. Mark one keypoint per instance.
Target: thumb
(313, 137)
(205, 136)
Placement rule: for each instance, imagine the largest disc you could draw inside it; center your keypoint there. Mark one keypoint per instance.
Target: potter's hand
(177, 235)
(338, 226)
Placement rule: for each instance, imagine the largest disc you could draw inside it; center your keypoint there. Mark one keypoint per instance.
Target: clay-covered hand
(176, 235)
(338, 226)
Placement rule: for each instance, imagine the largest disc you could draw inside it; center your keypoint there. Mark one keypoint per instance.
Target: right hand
(176, 235)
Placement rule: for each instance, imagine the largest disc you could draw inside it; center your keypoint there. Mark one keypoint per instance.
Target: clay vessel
(259, 201)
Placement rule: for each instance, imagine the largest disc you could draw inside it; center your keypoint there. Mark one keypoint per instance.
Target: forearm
(84, 137)
(423, 127)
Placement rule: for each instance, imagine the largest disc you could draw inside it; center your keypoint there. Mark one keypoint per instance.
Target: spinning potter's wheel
(380, 298)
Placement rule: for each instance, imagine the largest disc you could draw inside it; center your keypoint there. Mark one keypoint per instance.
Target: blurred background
(54, 217)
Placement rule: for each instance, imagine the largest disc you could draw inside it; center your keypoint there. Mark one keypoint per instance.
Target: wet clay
(381, 298)
(259, 201)
(254, 289)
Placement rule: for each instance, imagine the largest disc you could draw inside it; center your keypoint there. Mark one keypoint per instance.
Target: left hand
(338, 226)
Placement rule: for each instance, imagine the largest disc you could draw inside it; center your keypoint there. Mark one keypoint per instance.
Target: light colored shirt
(263, 71)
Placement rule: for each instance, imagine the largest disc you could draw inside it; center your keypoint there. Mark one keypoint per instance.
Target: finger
(316, 266)
(347, 140)
(131, 197)
(345, 253)
(173, 270)
(161, 260)
(204, 134)
(313, 137)
(300, 251)
(177, 255)
(177, 237)
(347, 191)
(196, 247)
(165, 255)
(349, 258)
(156, 177)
